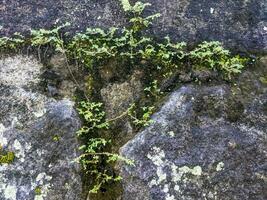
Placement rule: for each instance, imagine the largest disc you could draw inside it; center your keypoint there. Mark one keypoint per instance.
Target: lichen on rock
(208, 155)
(28, 122)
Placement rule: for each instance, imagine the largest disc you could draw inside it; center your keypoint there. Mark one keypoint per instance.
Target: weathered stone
(119, 96)
(241, 25)
(41, 132)
(206, 142)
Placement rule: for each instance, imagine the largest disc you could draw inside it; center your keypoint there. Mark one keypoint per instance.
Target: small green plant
(145, 118)
(212, 55)
(92, 159)
(94, 117)
(153, 89)
(94, 155)
(12, 43)
(56, 138)
(45, 37)
(95, 45)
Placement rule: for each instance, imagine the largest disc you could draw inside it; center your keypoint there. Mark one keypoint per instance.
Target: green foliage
(6, 157)
(145, 118)
(94, 117)
(12, 43)
(138, 22)
(94, 156)
(153, 89)
(212, 55)
(45, 37)
(166, 56)
(96, 46)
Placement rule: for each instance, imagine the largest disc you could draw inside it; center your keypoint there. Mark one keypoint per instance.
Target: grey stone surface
(239, 24)
(118, 97)
(41, 132)
(206, 143)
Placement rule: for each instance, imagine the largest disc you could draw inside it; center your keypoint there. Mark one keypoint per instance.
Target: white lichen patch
(10, 192)
(43, 181)
(220, 166)
(177, 188)
(169, 197)
(178, 173)
(196, 171)
(42, 177)
(44, 192)
(34, 102)
(158, 158)
(171, 133)
(3, 139)
(19, 71)
(39, 113)
(211, 10)
(19, 150)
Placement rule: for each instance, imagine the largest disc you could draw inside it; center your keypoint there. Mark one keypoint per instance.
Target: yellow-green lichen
(38, 190)
(6, 158)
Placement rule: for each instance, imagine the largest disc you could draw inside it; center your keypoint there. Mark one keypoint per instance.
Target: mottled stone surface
(41, 132)
(240, 24)
(206, 142)
(118, 97)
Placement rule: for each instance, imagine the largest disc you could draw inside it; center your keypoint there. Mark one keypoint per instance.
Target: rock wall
(40, 131)
(241, 25)
(206, 142)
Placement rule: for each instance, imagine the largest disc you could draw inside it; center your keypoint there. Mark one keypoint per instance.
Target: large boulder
(237, 23)
(206, 142)
(40, 131)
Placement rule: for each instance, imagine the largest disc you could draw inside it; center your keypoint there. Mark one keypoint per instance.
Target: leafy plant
(145, 118)
(212, 55)
(93, 115)
(96, 46)
(12, 43)
(45, 37)
(153, 89)
(94, 154)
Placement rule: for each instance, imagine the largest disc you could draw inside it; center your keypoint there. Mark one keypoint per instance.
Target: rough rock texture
(206, 142)
(41, 132)
(119, 96)
(237, 23)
